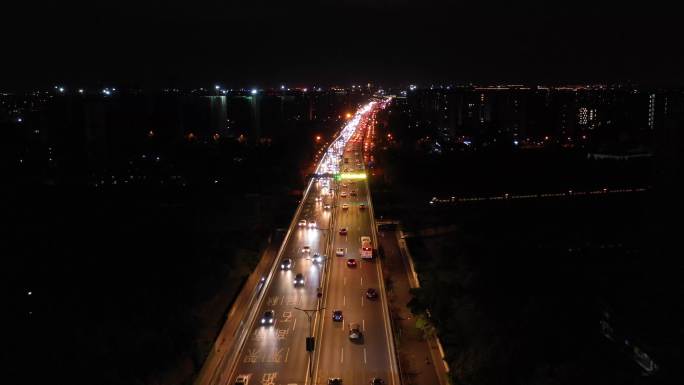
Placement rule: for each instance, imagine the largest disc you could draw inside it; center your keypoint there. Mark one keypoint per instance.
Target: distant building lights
(217, 87)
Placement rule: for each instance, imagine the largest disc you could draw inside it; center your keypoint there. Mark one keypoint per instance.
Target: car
(351, 262)
(311, 224)
(352, 193)
(377, 381)
(302, 223)
(344, 185)
(242, 379)
(306, 249)
(371, 293)
(318, 258)
(355, 332)
(339, 252)
(343, 231)
(286, 264)
(344, 194)
(298, 279)
(318, 199)
(362, 206)
(345, 206)
(268, 317)
(334, 381)
(326, 206)
(337, 315)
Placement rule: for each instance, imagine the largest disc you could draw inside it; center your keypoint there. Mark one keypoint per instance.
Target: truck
(366, 247)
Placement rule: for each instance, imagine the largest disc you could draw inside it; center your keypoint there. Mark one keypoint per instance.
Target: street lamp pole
(310, 339)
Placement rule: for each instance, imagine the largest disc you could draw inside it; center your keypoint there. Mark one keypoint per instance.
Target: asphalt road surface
(353, 362)
(276, 353)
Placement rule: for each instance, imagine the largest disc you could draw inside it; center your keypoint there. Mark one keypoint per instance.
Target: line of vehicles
(331, 164)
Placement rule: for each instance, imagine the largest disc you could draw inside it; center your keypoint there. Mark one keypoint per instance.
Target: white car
(312, 224)
(345, 206)
(242, 379)
(339, 252)
(302, 223)
(306, 249)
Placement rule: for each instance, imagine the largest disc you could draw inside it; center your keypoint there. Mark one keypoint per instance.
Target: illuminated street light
(254, 91)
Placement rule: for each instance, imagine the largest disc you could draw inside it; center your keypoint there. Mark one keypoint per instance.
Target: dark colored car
(351, 262)
(377, 381)
(334, 381)
(337, 315)
(371, 293)
(286, 264)
(268, 318)
(298, 279)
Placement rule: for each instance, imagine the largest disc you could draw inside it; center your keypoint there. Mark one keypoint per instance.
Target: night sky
(259, 43)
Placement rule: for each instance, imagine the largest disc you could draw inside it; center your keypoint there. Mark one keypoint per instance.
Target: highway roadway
(354, 362)
(276, 353)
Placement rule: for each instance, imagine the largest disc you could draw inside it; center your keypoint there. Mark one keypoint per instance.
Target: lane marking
(364, 325)
(361, 281)
(342, 356)
(344, 300)
(364, 356)
(362, 300)
(294, 325)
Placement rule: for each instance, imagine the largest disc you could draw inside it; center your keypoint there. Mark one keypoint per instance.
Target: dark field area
(127, 285)
(530, 283)
(564, 290)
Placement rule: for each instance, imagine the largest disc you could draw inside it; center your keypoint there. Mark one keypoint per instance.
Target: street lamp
(310, 342)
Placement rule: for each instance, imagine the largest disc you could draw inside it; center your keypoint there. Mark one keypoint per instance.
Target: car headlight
(270, 321)
(282, 266)
(263, 320)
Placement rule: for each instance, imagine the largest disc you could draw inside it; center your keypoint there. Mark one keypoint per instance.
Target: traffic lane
(279, 350)
(372, 353)
(340, 357)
